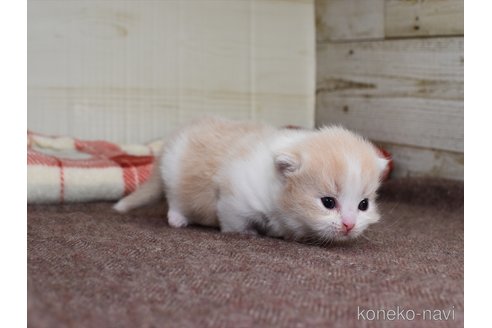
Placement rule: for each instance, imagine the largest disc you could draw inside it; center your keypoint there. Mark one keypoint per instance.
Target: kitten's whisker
(370, 240)
(387, 216)
(392, 224)
(393, 208)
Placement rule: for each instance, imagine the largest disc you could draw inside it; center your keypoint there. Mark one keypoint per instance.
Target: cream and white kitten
(247, 177)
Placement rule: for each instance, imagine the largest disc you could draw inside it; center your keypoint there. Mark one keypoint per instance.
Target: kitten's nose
(348, 226)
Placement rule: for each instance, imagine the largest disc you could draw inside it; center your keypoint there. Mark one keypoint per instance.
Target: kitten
(247, 177)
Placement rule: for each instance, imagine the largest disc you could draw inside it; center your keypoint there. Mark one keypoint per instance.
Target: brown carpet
(91, 267)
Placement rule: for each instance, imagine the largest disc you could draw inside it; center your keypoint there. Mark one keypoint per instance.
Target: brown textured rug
(91, 267)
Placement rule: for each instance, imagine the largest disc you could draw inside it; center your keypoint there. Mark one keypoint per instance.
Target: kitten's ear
(384, 168)
(382, 163)
(287, 163)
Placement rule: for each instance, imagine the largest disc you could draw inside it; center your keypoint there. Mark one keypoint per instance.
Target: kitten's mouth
(347, 235)
(343, 238)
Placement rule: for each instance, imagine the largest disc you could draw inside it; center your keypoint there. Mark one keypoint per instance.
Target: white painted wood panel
(338, 20)
(131, 71)
(424, 18)
(408, 92)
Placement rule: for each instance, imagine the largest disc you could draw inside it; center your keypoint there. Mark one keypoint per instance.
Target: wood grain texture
(421, 162)
(130, 71)
(349, 20)
(338, 20)
(417, 18)
(408, 92)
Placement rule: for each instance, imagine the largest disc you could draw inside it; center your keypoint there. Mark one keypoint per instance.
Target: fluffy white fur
(249, 177)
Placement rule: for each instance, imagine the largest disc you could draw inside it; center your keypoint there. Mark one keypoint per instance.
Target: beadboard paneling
(131, 71)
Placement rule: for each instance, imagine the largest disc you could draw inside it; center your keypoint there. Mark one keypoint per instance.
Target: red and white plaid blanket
(63, 169)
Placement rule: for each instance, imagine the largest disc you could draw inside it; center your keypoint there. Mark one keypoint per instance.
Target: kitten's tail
(151, 191)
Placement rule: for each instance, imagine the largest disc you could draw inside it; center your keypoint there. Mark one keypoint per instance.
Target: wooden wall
(393, 71)
(131, 71)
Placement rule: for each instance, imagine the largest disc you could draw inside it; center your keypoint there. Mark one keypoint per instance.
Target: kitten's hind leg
(176, 219)
(175, 216)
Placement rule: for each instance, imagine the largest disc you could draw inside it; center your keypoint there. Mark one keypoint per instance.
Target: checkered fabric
(64, 169)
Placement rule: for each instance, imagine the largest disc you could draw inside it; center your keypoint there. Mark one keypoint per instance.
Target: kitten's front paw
(246, 232)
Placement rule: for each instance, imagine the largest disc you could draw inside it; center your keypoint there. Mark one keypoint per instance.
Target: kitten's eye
(364, 204)
(329, 202)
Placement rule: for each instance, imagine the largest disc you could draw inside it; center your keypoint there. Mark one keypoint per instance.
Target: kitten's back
(208, 145)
